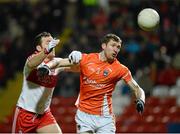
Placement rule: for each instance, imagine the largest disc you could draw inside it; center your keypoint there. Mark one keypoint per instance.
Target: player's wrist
(139, 100)
(139, 105)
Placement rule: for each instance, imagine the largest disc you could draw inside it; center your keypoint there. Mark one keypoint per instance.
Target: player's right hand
(43, 71)
(75, 57)
(53, 43)
(139, 105)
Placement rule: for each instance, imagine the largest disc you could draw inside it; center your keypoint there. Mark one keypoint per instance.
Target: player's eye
(119, 47)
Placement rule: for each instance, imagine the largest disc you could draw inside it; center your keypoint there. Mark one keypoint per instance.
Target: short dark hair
(109, 37)
(37, 39)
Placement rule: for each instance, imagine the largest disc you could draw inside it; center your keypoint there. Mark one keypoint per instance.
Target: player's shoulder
(32, 54)
(120, 65)
(91, 57)
(29, 57)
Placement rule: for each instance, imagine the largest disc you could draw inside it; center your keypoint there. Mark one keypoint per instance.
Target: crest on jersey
(105, 73)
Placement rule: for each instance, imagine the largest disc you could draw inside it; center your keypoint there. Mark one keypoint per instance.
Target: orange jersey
(97, 82)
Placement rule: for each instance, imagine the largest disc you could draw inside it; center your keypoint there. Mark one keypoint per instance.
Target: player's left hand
(52, 44)
(43, 70)
(75, 57)
(139, 105)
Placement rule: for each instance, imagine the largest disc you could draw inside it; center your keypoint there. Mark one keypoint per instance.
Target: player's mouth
(114, 55)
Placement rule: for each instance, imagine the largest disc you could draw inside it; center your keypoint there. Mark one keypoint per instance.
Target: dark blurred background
(153, 57)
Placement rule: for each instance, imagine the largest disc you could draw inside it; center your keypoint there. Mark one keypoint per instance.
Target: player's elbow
(31, 65)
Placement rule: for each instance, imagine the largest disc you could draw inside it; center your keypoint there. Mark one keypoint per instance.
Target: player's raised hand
(53, 43)
(75, 57)
(139, 105)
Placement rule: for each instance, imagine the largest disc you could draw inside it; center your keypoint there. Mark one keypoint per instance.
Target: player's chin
(113, 56)
(111, 59)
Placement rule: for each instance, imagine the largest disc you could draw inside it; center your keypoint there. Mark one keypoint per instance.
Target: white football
(148, 19)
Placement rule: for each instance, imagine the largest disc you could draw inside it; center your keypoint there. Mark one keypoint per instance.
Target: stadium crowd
(153, 57)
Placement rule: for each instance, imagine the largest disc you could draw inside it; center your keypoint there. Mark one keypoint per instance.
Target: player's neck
(102, 57)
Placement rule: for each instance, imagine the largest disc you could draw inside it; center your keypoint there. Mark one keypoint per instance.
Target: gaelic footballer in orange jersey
(97, 82)
(99, 73)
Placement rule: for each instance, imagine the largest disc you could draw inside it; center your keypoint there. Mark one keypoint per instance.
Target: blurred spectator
(92, 19)
(176, 61)
(2, 74)
(167, 76)
(144, 80)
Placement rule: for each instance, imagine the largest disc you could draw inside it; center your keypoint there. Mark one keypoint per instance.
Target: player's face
(111, 50)
(44, 43)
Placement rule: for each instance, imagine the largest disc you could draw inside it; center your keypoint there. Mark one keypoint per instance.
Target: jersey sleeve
(125, 74)
(27, 69)
(84, 58)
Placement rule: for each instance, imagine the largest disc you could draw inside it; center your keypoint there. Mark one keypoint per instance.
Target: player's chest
(99, 71)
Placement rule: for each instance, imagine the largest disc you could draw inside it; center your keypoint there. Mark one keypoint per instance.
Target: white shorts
(95, 123)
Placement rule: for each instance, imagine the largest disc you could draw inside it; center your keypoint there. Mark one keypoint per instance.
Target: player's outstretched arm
(72, 63)
(139, 94)
(67, 64)
(59, 63)
(38, 58)
(73, 59)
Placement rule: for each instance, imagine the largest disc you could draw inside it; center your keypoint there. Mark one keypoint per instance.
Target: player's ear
(38, 47)
(103, 45)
